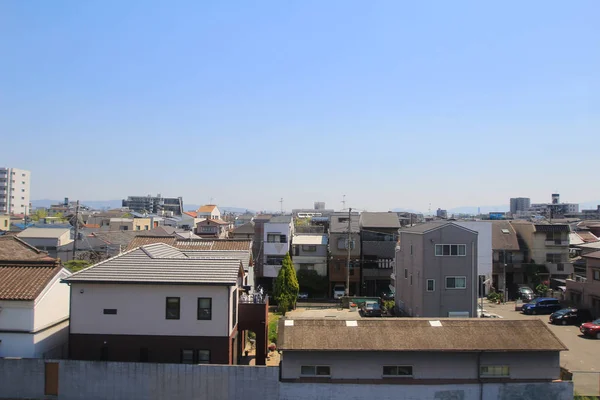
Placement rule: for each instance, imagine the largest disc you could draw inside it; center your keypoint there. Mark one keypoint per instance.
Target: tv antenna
(343, 202)
(281, 201)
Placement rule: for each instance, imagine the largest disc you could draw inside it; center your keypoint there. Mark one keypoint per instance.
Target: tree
(38, 214)
(286, 286)
(77, 265)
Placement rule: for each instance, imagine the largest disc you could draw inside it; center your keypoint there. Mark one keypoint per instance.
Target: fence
(587, 383)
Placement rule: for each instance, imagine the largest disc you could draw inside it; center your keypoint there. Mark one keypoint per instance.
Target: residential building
(555, 209)
(508, 271)
(4, 222)
(309, 252)
(245, 231)
(591, 225)
(130, 224)
(450, 354)
(46, 239)
(277, 238)
(243, 219)
(157, 303)
(484, 251)
(155, 204)
(15, 195)
(409, 218)
(519, 205)
(441, 213)
(378, 238)
(343, 225)
(34, 305)
(546, 245)
(435, 271)
(258, 246)
(586, 293)
(312, 212)
(591, 214)
(209, 211)
(212, 228)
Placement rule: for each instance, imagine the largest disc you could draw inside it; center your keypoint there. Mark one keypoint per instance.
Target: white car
(339, 291)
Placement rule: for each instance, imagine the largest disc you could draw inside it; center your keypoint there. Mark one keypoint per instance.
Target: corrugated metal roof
(309, 239)
(157, 263)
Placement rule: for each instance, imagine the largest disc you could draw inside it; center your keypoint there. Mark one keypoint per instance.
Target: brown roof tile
(501, 240)
(26, 282)
(192, 214)
(587, 236)
(207, 208)
(14, 249)
(418, 334)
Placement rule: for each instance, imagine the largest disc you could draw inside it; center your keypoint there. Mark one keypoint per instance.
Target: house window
(137, 227)
(309, 248)
(450, 250)
(397, 370)
(315, 370)
(456, 282)
(187, 356)
(494, 371)
(553, 258)
(172, 308)
(146, 227)
(204, 308)
(342, 244)
(110, 311)
(274, 238)
(411, 250)
(430, 285)
(203, 357)
(274, 260)
(235, 305)
(405, 273)
(596, 274)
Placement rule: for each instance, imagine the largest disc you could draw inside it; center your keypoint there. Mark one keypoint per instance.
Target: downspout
(474, 285)
(479, 375)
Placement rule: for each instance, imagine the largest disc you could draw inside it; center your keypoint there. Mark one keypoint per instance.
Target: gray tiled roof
(244, 256)
(281, 219)
(379, 220)
(336, 226)
(161, 263)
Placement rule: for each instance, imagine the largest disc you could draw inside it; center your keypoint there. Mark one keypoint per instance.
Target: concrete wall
(88, 380)
(141, 310)
(484, 245)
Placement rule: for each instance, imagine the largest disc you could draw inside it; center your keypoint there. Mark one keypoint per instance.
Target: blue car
(541, 305)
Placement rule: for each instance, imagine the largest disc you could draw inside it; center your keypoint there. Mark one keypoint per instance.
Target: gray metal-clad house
(435, 271)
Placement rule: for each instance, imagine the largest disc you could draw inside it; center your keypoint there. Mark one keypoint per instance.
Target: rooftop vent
(435, 323)
(505, 231)
(351, 323)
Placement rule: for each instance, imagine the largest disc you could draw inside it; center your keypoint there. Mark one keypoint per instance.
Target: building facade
(587, 293)
(155, 204)
(277, 238)
(309, 252)
(435, 271)
(47, 239)
(519, 205)
(15, 187)
(343, 225)
(508, 271)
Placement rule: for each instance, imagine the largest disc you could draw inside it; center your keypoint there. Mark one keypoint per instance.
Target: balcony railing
(557, 242)
(253, 299)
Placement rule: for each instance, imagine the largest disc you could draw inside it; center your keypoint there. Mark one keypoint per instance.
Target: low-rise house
(309, 252)
(547, 245)
(130, 224)
(474, 357)
(338, 249)
(47, 239)
(34, 305)
(435, 271)
(157, 303)
(212, 228)
(209, 211)
(378, 236)
(276, 244)
(258, 249)
(508, 271)
(243, 219)
(586, 294)
(245, 231)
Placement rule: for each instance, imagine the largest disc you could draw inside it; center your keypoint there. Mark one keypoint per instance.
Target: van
(339, 291)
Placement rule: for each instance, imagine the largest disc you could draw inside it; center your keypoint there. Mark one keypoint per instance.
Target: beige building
(209, 211)
(4, 222)
(130, 224)
(46, 239)
(212, 228)
(587, 294)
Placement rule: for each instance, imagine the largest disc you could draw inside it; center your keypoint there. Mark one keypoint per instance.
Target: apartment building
(15, 195)
(155, 204)
(435, 271)
(378, 237)
(587, 293)
(519, 205)
(157, 303)
(342, 223)
(547, 245)
(277, 238)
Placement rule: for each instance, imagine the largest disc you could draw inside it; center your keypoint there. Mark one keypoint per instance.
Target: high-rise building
(155, 205)
(319, 205)
(441, 213)
(519, 204)
(15, 191)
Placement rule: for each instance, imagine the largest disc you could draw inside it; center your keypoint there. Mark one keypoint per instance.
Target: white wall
(277, 248)
(16, 315)
(484, 245)
(16, 345)
(52, 342)
(141, 309)
(53, 304)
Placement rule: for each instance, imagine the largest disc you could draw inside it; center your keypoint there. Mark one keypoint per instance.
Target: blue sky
(392, 103)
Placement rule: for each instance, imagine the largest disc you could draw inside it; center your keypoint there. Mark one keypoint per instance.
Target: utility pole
(76, 228)
(281, 201)
(348, 248)
(343, 201)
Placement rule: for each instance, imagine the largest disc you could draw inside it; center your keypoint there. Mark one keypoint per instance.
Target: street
(583, 357)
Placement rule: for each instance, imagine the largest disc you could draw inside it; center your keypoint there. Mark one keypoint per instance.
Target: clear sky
(392, 103)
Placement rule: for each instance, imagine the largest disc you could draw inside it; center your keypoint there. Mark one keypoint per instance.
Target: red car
(591, 329)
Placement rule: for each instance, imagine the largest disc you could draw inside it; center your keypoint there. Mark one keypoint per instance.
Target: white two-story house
(34, 305)
(277, 235)
(156, 303)
(310, 252)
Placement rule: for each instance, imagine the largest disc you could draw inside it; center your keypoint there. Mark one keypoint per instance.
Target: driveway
(583, 357)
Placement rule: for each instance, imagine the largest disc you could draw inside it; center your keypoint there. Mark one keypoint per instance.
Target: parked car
(525, 293)
(541, 305)
(571, 316)
(591, 329)
(339, 291)
(302, 296)
(371, 309)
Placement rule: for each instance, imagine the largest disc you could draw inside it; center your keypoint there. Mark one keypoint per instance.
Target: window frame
(181, 356)
(447, 250)
(110, 311)
(198, 361)
(596, 274)
(427, 283)
(203, 317)
(454, 277)
(496, 368)
(397, 375)
(316, 368)
(178, 308)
